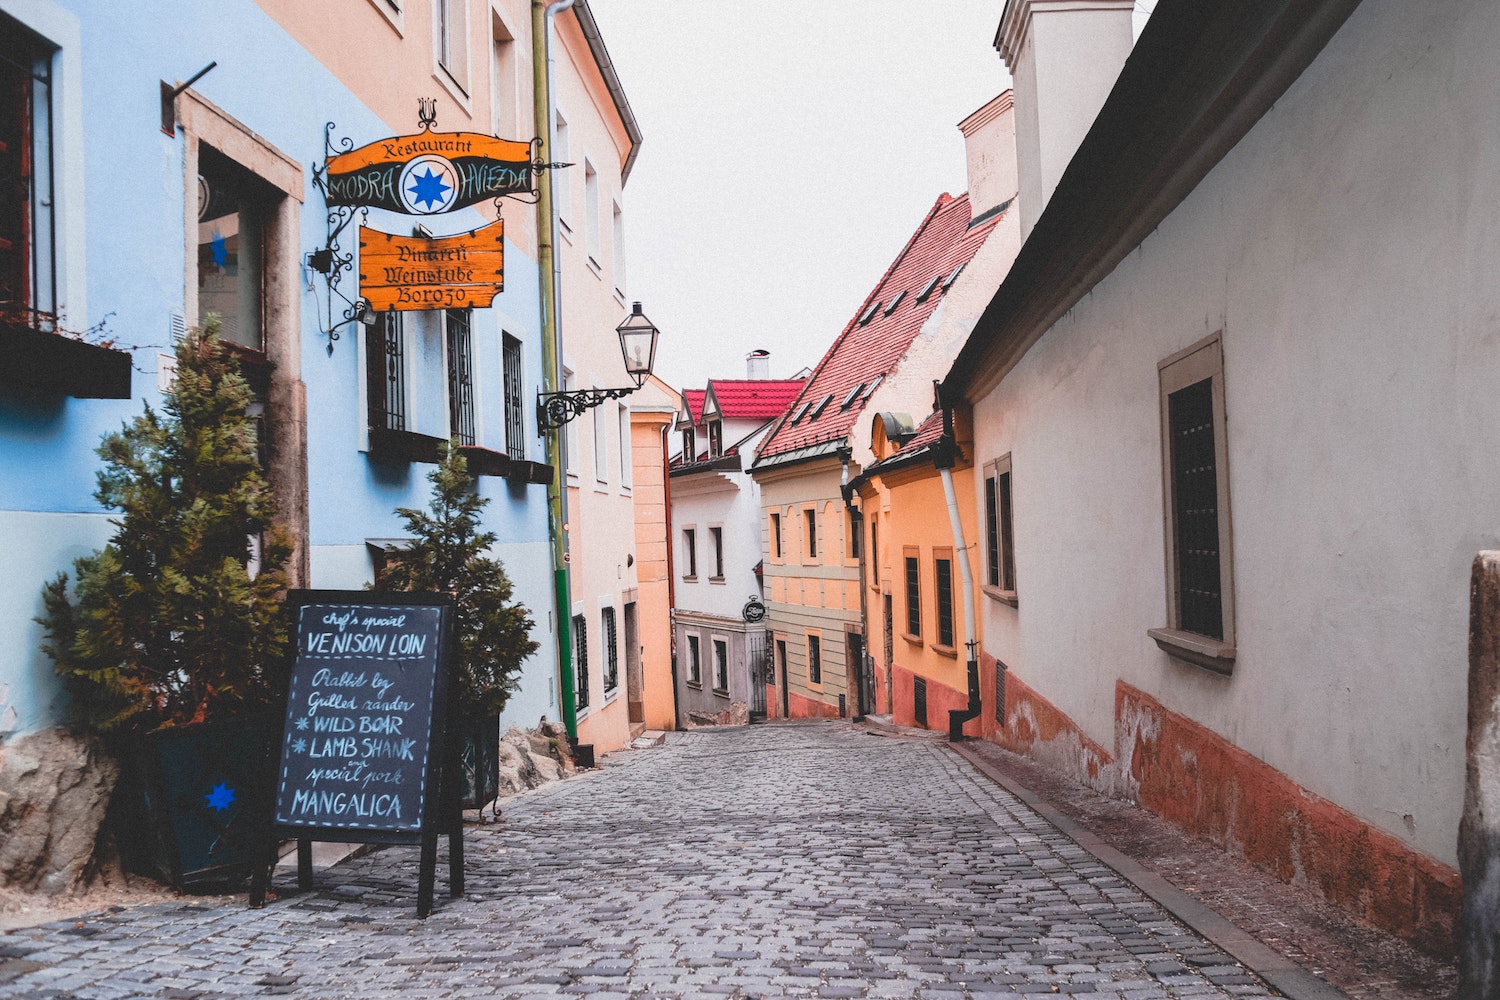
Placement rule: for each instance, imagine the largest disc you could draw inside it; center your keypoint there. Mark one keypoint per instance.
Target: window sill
(54, 363)
(1200, 650)
(693, 578)
(392, 17)
(915, 640)
(941, 650)
(721, 693)
(611, 696)
(716, 579)
(695, 685)
(1003, 596)
(564, 228)
(444, 76)
(594, 266)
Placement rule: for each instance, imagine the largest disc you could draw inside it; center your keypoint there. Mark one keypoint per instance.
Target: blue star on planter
(428, 189)
(220, 248)
(221, 798)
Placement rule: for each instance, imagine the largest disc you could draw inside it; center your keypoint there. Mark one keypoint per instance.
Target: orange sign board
(407, 273)
(429, 173)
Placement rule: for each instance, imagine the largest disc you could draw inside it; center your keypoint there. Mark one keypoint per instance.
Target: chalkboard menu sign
(359, 724)
(362, 753)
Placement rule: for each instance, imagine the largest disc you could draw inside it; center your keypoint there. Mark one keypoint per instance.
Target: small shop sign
(404, 273)
(429, 173)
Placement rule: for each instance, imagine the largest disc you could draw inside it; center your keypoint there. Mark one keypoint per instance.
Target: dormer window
(818, 410)
(895, 302)
(926, 291)
(952, 277)
(874, 384)
(853, 395)
(689, 445)
(869, 313)
(715, 438)
(798, 412)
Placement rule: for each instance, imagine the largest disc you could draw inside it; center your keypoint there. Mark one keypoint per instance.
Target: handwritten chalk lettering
(316, 701)
(333, 724)
(398, 749)
(352, 771)
(409, 645)
(393, 622)
(380, 778)
(394, 705)
(381, 685)
(360, 804)
(389, 725)
(341, 620)
(334, 746)
(347, 679)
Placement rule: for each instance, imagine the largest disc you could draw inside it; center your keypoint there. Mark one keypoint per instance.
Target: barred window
(944, 573)
(913, 596)
(511, 373)
(458, 323)
(814, 659)
(581, 661)
(611, 651)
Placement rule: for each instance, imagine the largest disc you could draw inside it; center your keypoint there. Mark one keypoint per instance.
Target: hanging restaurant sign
(429, 173)
(446, 272)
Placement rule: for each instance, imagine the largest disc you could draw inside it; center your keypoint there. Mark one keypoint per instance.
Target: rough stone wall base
(803, 707)
(941, 698)
(1199, 781)
(54, 790)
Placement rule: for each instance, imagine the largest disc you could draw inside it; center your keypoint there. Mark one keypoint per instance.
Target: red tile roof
(694, 400)
(928, 432)
(753, 399)
(864, 350)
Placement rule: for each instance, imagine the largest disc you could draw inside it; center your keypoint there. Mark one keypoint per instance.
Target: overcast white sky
(790, 150)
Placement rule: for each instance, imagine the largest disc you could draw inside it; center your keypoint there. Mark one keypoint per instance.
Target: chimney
(990, 147)
(758, 365)
(1064, 56)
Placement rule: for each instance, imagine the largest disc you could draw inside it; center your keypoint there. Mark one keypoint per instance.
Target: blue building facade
(125, 234)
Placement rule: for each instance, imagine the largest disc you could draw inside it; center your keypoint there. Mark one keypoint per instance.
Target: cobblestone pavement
(798, 860)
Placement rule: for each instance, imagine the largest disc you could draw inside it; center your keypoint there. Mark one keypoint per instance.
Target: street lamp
(637, 345)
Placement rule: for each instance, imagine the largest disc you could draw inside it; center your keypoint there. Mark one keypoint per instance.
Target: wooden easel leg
(426, 873)
(304, 863)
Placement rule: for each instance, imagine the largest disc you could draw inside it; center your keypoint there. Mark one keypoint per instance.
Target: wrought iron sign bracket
(330, 260)
(553, 409)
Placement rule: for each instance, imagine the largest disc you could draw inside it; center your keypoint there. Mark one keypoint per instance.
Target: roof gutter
(612, 81)
(1201, 75)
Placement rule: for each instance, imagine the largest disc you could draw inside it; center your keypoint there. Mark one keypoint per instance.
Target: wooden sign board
(429, 173)
(444, 272)
(364, 755)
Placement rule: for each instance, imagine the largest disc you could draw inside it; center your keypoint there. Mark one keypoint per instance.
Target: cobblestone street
(778, 860)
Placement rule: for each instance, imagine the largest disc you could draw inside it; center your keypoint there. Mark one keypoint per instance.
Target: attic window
(927, 288)
(797, 414)
(875, 384)
(895, 302)
(953, 277)
(869, 313)
(853, 395)
(819, 408)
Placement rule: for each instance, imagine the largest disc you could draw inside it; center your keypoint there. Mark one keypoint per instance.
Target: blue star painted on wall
(220, 249)
(221, 798)
(428, 189)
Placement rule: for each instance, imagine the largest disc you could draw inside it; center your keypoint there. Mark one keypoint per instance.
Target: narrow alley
(749, 862)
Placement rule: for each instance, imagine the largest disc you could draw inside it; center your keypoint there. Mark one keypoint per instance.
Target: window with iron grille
(385, 374)
(580, 661)
(721, 665)
(460, 375)
(611, 651)
(1195, 510)
(919, 701)
(515, 424)
(814, 659)
(913, 596)
(1195, 478)
(695, 661)
(27, 279)
(1000, 559)
(943, 568)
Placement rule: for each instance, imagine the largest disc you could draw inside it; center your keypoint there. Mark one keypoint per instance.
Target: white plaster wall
(1346, 248)
(34, 548)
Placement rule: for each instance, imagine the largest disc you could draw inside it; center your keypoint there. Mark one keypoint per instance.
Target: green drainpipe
(546, 238)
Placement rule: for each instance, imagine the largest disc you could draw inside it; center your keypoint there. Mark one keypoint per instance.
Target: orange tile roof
(865, 350)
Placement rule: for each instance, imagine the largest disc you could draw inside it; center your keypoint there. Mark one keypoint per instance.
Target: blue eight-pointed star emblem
(221, 798)
(428, 189)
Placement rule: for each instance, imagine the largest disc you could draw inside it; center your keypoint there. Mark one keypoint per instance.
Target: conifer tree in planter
(171, 627)
(492, 634)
